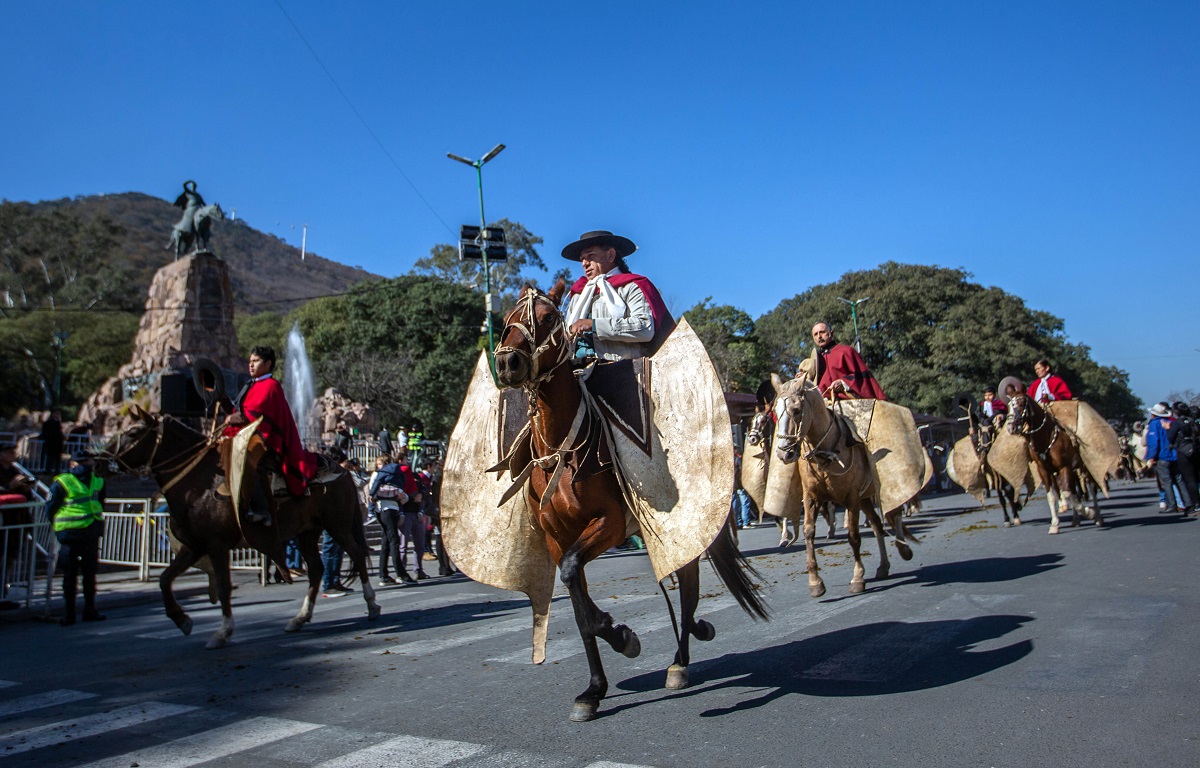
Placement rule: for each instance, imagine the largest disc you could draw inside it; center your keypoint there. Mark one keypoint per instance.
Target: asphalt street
(992, 647)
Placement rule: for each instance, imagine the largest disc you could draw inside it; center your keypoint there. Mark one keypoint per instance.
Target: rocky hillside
(266, 272)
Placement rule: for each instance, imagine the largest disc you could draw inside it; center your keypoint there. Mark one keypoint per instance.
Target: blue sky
(750, 149)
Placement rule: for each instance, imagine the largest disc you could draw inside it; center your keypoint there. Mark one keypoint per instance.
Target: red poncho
(664, 323)
(842, 361)
(278, 430)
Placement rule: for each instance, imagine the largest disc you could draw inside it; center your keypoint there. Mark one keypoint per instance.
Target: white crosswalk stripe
(408, 751)
(607, 764)
(90, 725)
(41, 701)
(209, 745)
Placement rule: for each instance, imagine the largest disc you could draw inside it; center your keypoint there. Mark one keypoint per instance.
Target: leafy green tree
(741, 359)
(507, 277)
(929, 332)
(421, 331)
(264, 328)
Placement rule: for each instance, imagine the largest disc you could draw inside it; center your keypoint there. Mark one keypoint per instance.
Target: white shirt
(621, 318)
(1042, 394)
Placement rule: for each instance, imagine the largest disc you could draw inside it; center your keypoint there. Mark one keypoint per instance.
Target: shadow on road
(868, 660)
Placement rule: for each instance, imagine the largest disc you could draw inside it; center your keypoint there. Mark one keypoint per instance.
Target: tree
(929, 332)
(264, 328)
(741, 359)
(423, 331)
(507, 277)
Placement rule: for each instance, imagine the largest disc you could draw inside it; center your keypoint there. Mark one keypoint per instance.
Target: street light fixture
(854, 318)
(485, 244)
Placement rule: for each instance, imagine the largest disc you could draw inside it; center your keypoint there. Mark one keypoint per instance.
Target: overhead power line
(361, 119)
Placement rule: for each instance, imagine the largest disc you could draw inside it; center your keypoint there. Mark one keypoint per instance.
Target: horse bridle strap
(525, 327)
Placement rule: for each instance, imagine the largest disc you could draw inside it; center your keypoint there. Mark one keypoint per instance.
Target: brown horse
(836, 468)
(186, 467)
(583, 513)
(1059, 465)
(982, 433)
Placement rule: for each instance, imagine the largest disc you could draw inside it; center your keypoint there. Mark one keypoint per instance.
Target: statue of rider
(189, 201)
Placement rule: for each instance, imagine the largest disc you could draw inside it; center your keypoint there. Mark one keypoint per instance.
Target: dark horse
(1060, 467)
(186, 467)
(583, 518)
(982, 433)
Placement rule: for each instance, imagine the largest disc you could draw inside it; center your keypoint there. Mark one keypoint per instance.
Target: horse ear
(776, 382)
(556, 293)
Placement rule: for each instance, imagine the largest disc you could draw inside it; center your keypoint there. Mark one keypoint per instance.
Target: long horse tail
(737, 574)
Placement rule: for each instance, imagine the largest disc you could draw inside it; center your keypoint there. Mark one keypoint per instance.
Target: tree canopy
(930, 332)
(507, 277)
(741, 359)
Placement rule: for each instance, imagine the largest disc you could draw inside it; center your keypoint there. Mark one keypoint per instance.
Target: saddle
(259, 456)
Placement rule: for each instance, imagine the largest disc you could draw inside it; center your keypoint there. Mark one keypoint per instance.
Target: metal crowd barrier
(136, 534)
(28, 551)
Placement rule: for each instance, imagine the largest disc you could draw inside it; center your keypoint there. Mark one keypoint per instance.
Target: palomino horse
(1056, 456)
(982, 432)
(186, 467)
(583, 514)
(836, 468)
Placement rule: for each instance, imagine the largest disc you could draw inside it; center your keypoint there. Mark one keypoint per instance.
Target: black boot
(260, 508)
(68, 617)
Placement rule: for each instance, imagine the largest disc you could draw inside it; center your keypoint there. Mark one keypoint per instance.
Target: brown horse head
(534, 340)
(797, 405)
(133, 449)
(1022, 412)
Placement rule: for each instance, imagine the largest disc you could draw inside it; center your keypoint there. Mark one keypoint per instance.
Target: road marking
(607, 764)
(408, 751)
(486, 630)
(68, 730)
(40, 700)
(209, 745)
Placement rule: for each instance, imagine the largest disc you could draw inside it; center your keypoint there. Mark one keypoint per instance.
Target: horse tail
(737, 574)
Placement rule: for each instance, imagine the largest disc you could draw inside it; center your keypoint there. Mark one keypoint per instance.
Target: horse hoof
(882, 573)
(584, 711)
(294, 625)
(373, 612)
(633, 648)
(1008, 524)
(1053, 530)
(857, 587)
(185, 626)
(1016, 521)
(904, 550)
(677, 677)
(816, 590)
(704, 631)
(215, 643)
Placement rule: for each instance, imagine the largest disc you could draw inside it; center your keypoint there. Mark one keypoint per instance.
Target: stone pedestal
(189, 315)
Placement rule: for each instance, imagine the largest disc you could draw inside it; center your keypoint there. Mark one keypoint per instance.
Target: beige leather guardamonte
(784, 495)
(237, 463)
(755, 463)
(680, 492)
(890, 433)
(1009, 456)
(965, 469)
(503, 547)
(1097, 440)
(927, 475)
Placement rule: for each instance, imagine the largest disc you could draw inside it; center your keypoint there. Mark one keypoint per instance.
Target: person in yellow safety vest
(76, 508)
(414, 437)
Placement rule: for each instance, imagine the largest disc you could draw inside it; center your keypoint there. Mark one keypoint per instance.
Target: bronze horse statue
(835, 467)
(194, 227)
(1060, 466)
(583, 514)
(185, 465)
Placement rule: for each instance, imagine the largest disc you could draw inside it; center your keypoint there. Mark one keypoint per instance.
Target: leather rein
(178, 466)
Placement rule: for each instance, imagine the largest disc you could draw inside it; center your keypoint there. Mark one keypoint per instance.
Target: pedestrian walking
(1161, 458)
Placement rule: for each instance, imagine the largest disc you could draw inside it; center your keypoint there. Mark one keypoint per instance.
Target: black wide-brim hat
(624, 245)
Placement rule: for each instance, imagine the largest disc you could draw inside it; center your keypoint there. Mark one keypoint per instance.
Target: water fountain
(299, 384)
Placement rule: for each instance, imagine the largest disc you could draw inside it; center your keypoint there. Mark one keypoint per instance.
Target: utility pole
(483, 244)
(854, 318)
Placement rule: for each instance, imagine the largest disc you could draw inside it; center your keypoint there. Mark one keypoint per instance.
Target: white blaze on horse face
(781, 414)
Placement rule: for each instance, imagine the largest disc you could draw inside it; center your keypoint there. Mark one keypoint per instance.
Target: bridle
(789, 441)
(1019, 407)
(178, 466)
(523, 318)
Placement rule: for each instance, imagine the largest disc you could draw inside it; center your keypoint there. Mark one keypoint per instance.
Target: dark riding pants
(390, 546)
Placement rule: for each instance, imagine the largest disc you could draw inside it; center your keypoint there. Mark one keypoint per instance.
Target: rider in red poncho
(264, 397)
(840, 370)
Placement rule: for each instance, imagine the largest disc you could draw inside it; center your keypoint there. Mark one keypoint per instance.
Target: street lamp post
(491, 304)
(854, 318)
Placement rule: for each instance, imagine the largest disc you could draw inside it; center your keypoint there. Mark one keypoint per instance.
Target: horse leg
(854, 536)
(900, 534)
(220, 638)
(309, 543)
(185, 558)
(689, 597)
(816, 587)
(600, 534)
(354, 544)
(830, 520)
(885, 567)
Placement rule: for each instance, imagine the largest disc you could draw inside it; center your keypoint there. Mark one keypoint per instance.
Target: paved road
(991, 647)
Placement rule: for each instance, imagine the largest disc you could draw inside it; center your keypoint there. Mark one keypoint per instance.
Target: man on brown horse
(1048, 386)
(839, 370)
(263, 397)
(613, 313)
